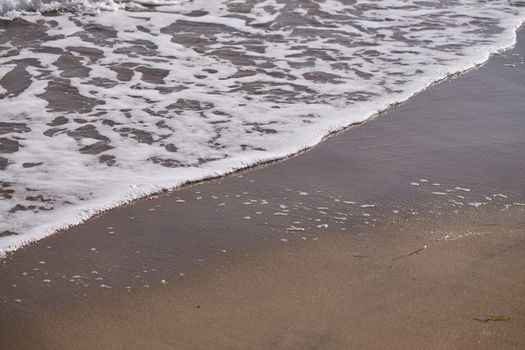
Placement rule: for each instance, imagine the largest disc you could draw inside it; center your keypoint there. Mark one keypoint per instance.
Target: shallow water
(100, 109)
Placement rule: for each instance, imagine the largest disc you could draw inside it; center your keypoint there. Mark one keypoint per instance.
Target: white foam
(157, 2)
(364, 63)
(476, 204)
(462, 189)
(13, 8)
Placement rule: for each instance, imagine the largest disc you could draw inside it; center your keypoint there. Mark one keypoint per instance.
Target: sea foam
(100, 110)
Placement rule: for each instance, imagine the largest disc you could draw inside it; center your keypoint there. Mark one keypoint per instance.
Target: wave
(101, 110)
(14, 8)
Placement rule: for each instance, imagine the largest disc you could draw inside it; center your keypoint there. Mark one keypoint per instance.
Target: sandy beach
(405, 232)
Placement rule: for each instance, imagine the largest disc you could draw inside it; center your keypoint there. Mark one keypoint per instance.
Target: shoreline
(205, 270)
(83, 215)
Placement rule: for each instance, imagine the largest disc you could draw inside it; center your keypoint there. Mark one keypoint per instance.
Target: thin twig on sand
(411, 253)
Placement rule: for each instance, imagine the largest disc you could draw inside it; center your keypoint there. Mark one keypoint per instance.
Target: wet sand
(395, 234)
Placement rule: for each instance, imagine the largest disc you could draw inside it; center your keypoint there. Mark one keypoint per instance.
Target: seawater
(104, 102)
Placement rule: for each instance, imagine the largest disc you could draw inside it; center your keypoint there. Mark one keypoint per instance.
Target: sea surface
(104, 102)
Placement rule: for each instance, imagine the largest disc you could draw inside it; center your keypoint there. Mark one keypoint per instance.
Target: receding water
(98, 109)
